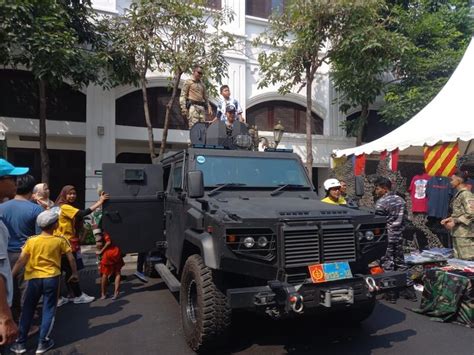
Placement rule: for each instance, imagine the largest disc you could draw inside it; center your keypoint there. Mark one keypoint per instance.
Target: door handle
(169, 214)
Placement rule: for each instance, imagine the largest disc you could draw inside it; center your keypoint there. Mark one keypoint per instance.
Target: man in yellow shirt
(41, 258)
(333, 192)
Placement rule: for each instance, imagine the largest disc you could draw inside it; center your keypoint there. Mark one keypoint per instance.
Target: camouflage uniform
(394, 208)
(462, 206)
(194, 91)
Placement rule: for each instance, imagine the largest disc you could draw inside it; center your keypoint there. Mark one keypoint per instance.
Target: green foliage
(55, 40)
(365, 54)
(438, 32)
(299, 40)
(168, 35)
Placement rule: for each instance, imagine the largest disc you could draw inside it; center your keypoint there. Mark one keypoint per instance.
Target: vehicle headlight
(249, 242)
(262, 241)
(360, 235)
(369, 235)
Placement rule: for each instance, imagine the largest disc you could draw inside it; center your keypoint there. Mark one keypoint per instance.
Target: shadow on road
(316, 335)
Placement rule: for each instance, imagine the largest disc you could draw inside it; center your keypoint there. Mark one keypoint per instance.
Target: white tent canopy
(447, 118)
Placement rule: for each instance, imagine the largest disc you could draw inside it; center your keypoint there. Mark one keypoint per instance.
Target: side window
(177, 177)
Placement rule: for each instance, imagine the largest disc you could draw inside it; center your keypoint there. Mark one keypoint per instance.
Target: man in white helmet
(333, 192)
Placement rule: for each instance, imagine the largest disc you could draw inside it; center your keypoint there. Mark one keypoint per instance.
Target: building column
(100, 137)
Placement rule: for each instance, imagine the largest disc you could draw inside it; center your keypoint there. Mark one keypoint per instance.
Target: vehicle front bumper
(287, 297)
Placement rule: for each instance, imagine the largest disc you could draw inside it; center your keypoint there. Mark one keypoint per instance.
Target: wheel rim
(192, 307)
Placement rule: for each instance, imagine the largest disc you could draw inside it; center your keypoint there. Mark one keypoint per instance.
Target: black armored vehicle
(242, 229)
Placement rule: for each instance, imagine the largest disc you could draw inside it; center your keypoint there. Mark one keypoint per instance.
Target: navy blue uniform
(394, 208)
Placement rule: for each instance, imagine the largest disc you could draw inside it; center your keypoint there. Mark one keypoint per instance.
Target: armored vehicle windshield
(251, 171)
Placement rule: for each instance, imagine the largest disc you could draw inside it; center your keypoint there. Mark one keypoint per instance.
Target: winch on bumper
(308, 295)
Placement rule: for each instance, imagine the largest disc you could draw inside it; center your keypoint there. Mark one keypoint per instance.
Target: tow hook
(296, 303)
(371, 284)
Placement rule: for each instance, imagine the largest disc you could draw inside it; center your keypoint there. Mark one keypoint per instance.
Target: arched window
(19, 98)
(129, 109)
(292, 116)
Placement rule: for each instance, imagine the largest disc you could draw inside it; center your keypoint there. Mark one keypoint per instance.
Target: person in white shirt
(227, 100)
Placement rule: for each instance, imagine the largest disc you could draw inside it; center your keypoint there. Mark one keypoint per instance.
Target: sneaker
(18, 348)
(44, 346)
(62, 301)
(141, 276)
(83, 299)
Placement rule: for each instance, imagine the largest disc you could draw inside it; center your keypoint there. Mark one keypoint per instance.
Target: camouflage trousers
(196, 114)
(463, 247)
(394, 258)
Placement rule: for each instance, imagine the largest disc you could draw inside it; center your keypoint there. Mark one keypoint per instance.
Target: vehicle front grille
(338, 243)
(301, 246)
(315, 244)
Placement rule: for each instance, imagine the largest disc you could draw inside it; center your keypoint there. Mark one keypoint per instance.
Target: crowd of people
(39, 242)
(394, 207)
(195, 106)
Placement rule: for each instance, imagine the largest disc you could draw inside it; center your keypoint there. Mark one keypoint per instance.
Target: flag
(393, 160)
(358, 162)
(390, 158)
(440, 159)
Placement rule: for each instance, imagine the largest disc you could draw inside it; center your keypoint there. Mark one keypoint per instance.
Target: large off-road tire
(205, 314)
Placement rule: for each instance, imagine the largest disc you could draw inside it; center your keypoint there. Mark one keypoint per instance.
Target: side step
(170, 280)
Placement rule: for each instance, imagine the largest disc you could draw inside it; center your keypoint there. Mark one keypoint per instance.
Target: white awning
(447, 118)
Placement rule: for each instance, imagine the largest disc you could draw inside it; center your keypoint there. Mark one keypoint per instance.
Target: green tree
(298, 41)
(439, 32)
(365, 54)
(55, 40)
(194, 36)
(136, 45)
(167, 36)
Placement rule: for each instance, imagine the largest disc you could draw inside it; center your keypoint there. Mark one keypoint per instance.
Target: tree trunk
(42, 132)
(362, 121)
(309, 136)
(169, 107)
(151, 145)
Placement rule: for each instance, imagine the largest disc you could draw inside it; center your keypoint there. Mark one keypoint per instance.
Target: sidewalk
(90, 259)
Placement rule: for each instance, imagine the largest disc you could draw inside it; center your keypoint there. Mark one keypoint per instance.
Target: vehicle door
(175, 213)
(133, 216)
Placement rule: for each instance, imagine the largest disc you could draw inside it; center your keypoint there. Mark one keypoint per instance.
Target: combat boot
(409, 294)
(391, 296)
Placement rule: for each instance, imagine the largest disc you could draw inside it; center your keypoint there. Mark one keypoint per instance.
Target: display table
(448, 296)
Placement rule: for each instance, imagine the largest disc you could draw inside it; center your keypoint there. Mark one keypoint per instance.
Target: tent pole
(467, 147)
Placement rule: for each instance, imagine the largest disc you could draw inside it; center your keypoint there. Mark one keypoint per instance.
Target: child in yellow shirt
(41, 258)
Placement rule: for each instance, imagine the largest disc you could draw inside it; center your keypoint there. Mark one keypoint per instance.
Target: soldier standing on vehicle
(394, 208)
(461, 221)
(194, 100)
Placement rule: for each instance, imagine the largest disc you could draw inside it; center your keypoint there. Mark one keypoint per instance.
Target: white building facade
(98, 126)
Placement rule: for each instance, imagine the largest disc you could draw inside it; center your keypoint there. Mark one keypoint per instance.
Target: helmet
(330, 183)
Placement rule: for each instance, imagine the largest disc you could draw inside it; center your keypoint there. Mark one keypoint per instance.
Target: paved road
(145, 320)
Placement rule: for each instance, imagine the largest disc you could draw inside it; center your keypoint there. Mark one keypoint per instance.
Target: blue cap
(7, 169)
